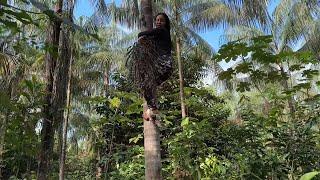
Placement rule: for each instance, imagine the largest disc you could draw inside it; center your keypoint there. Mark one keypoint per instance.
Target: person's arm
(156, 31)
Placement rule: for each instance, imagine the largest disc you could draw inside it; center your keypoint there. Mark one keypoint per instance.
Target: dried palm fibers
(141, 62)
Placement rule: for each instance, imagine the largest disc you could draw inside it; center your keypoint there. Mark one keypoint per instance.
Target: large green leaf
(309, 175)
(185, 122)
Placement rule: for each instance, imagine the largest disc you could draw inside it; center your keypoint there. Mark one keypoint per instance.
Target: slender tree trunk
(59, 135)
(47, 132)
(106, 80)
(61, 90)
(3, 127)
(98, 167)
(106, 167)
(106, 75)
(181, 85)
(65, 127)
(59, 94)
(151, 132)
(285, 85)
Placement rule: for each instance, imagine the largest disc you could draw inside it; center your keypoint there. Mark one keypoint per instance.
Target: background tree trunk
(65, 127)
(285, 85)
(3, 127)
(178, 48)
(106, 75)
(59, 94)
(181, 85)
(61, 98)
(47, 131)
(151, 132)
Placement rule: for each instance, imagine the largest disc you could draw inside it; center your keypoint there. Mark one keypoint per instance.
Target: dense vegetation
(259, 119)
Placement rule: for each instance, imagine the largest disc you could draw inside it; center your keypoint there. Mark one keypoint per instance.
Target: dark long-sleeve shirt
(161, 37)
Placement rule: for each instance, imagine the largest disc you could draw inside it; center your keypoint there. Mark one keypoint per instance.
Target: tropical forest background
(251, 101)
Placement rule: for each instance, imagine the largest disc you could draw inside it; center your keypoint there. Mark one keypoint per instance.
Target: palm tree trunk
(181, 86)
(47, 131)
(178, 46)
(61, 90)
(146, 6)
(151, 149)
(151, 131)
(59, 93)
(65, 126)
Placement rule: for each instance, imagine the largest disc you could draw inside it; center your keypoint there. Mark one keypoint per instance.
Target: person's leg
(164, 68)
(150, 97)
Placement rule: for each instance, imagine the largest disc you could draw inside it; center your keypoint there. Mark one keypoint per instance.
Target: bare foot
(150, 114)
(147, 114)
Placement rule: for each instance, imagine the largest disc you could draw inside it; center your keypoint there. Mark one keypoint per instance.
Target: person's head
(162, 20)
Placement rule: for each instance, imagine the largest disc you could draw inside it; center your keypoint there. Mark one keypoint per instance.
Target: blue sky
(84, 8)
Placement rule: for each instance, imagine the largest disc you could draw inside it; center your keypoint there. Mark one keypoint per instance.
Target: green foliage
(211, 166)
(248, 134)
(10, 16)
(206, 145)
(22, 113)
(256, 55)
(78, 167)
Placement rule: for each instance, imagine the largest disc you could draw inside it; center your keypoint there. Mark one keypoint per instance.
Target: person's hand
(141, 38)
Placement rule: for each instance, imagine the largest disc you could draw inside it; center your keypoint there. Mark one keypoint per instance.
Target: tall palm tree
(62, 81)
(105, 57)
(47, 131)
(151, 132)
(178, 51)
(57, 62)
(94, 62)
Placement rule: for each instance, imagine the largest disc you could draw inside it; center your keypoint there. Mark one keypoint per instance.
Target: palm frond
(10, 64)
(210, 15)
(295, 24)
(127, 40)
(312, 40)
(244, 33)
(128, 14)
(192, 39)
(214, 13)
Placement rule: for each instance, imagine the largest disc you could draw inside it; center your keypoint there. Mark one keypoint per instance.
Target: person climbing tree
(150, 61)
